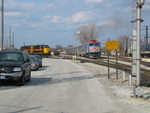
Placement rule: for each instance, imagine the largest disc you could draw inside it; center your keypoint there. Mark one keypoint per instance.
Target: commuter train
(144, 50)
(42, 50)
(92, 49)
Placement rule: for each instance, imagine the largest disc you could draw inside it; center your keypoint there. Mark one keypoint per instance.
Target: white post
(140, 3)
(123, 76)
(130, 80)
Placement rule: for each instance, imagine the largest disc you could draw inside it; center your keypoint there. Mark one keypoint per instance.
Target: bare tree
(70, 46)
(124, 44)
(59, 47)
(86, 33)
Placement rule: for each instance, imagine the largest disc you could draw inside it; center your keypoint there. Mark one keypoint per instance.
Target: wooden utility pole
(2, 26)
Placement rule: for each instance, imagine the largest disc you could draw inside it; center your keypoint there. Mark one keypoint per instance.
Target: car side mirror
(27, 60)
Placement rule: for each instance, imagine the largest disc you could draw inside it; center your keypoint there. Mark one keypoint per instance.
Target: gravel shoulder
(120, 89)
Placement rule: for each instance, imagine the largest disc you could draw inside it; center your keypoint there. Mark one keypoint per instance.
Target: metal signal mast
(137, 90)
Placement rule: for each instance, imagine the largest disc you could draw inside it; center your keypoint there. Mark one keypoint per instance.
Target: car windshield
(91, 44)
(97, 44)
(11, 56)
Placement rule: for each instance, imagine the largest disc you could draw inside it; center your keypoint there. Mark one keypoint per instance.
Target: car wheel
(21, 82)
(41, 65)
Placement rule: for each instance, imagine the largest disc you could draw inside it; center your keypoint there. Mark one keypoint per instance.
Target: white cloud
(48, 6)
(35, 25)
(128, 9)
(14, 4)
(108, 23)
(146, 7)
(76, 18)
(71, 26)
(79, 17)
(53, 19)
(14, 14)
(94, 1)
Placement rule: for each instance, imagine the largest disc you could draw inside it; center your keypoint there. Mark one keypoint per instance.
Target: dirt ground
(119, 88)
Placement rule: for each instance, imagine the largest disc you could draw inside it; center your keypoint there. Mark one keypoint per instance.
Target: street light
(140, 3)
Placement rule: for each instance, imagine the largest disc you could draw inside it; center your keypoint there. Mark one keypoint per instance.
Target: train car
(42, 50)
(94, 49)
(91, 49)
(144, 50)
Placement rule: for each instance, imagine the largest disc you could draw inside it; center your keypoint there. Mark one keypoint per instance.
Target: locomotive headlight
(140, 3)
(17, 69)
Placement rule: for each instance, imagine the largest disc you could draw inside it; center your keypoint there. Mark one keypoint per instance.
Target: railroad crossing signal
(112, 45)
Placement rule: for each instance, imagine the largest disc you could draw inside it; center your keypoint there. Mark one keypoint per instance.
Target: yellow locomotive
(42, 50)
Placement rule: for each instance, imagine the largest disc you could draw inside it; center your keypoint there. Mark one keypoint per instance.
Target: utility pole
(137, 90)
(146, 37)
(146, 41)
(126, 51)
(10, 43)
(13, 40)
(2, 26)
(140, 3)
(24, 43)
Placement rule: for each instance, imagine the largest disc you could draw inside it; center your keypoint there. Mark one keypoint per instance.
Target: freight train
(92, 49)
(42, 50)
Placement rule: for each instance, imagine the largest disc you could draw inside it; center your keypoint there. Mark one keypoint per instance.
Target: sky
(55, 22)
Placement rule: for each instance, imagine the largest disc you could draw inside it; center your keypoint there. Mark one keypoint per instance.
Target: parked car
(34, 62)
(39, 58)
(16, 66)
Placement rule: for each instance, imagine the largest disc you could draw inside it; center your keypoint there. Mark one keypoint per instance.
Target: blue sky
(55, 22)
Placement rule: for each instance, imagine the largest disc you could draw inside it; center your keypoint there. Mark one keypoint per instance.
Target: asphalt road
(60, 86)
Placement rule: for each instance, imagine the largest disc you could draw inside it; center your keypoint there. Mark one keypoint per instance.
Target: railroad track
(123, 64)
(129, 59)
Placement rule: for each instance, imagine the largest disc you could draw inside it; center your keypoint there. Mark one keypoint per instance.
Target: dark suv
(15, 65)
